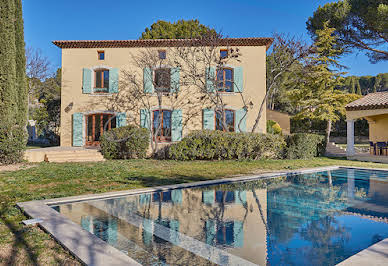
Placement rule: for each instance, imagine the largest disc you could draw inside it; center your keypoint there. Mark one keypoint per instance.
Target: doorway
(96, 125)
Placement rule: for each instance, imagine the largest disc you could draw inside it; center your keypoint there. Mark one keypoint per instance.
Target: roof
(376, 100)
(161, 43)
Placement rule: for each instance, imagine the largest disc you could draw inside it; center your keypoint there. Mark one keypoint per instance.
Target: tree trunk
(328, 130)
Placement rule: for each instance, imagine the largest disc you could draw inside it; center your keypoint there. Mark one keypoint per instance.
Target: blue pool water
(318, 218)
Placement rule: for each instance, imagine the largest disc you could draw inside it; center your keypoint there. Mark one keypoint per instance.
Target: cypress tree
(21, 82)
(11, 132)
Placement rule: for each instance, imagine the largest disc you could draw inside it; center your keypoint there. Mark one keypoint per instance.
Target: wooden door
(96, 125)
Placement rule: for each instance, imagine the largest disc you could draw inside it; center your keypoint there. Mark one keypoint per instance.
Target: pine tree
(317, 96)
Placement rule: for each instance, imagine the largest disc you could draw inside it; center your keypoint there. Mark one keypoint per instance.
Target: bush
(125, 143)
(273, 127)
(218, 145)
(12, 144)
(305, 146)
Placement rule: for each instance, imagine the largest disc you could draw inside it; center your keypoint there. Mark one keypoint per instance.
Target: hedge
(305, 146)
(12, 144)
(218, 145)
(127, 142)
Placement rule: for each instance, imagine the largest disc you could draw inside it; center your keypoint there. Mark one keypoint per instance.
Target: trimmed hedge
(273, 127)
(125, 143)
(305, 146)
(218, 145)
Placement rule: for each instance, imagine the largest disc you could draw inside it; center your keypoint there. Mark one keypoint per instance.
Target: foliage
(181, 29)
(47, 111)
(358, 24)
(125, 143)
(219, 145)
(316, 97)
(284, 61)
(13, 95)
(365, 84)
(273, 127)
(305, 146)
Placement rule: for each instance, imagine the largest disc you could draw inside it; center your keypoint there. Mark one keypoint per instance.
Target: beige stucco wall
(281, 118)
(378, 122)
(73, 100)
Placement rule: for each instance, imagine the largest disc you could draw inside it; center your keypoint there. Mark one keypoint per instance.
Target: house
(374, 108)
(93, 71)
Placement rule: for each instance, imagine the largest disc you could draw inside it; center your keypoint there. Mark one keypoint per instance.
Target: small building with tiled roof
(374, 108)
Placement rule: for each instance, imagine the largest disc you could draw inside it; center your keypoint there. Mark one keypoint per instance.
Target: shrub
(273, 127)
(125, 143)
(12, 144)
(305, 146)
(218, 145)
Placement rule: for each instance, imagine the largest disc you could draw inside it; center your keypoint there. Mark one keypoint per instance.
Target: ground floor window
(161, 125)
(96, 125)
(227, 119)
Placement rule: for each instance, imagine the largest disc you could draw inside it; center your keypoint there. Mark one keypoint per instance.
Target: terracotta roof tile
(377, 100)
(161, 43)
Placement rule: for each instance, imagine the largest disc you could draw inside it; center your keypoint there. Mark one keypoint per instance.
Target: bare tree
(287, 51)
(37, 69)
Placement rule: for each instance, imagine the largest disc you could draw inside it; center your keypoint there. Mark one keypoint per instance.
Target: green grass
(30, 245)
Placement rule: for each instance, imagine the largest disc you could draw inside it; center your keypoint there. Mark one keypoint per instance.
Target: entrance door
(96, 124)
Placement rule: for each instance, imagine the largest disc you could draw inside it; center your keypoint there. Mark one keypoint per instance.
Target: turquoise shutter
(121, 119)
(145, 199)
(174, 230)
(114, 80)
(240, 197)
(240, 117)
(147, 231)
(145, 118)
(175, 79)
(208, 197)
(176, 196)
(238, 79)
(210, 76)
(78, 129)
(210, 232)
(112, 231)
(85, 223)
(86, 80)
(238, 234)
(208, 119)
(148, 82)
(176, 126)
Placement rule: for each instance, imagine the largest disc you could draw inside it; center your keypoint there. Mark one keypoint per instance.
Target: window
(161, 196)
(225, 196)
(223, 53)
(225, 233)
(102, 80)
(228, 119)
(101, 55)
(164, 133)
(162, 54)
(162, 79)
(225, 79)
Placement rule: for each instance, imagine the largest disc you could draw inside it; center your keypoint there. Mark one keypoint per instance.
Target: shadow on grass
(19, 237)
(153, 181)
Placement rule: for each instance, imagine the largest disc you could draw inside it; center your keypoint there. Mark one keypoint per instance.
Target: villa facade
(94, 74)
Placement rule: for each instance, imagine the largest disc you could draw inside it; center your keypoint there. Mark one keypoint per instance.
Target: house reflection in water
(300, 219)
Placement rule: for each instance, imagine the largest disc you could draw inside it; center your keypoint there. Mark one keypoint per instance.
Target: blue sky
(48, 20)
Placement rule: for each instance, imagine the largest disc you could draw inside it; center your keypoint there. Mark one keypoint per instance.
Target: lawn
(24, 245)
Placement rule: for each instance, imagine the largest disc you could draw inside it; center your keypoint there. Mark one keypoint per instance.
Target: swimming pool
(318, 218)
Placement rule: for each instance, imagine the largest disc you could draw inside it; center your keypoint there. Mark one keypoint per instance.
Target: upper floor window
(162, 79)
(223, 53)
(162, 54)
(101, 79)
(227, 119)
(162, 122)
(101, 55)
(224, 79)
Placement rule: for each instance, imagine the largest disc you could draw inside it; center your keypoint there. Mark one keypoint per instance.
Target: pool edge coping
(102, 253)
